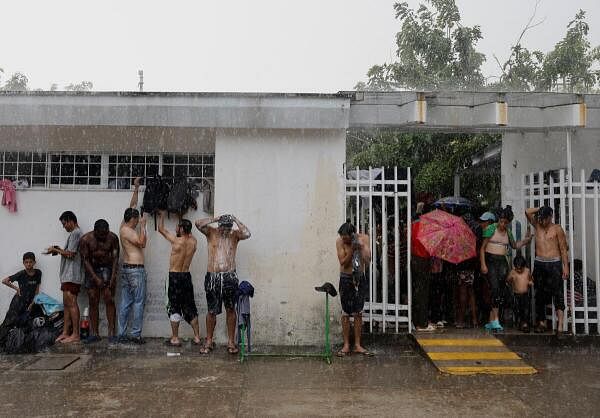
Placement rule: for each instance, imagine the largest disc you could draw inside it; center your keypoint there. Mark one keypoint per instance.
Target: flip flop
(196, 343)
(169, 343)
(233, 350)
(342, 353)
(366, 353)
(206, 349)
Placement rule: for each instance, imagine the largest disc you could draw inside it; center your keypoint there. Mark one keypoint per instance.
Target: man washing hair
(221, 282)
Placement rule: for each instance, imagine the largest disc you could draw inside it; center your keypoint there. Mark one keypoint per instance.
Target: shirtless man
(100, 252)
(354, 253)
(221, 282)
(551, 265)
(180, 291)
(133, 273)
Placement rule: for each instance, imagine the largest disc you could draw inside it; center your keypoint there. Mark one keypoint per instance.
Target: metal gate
(575, 205)
(378, 202)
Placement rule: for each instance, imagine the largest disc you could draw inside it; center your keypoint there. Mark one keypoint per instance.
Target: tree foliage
(434, 50)
(83, 86)
(433, 158)
(16, 82)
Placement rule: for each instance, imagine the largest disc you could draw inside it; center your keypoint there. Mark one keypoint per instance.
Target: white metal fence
(576, 209)
(378, 201)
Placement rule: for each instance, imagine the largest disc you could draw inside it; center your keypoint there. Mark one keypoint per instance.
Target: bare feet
(61, 337)
(70, 340)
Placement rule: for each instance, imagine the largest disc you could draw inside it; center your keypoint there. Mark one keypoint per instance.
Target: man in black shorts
(354, 252)
(551, 267)
(180, 290)
(221, 282)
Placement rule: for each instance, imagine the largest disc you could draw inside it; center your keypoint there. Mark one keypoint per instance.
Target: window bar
(373, 238)
(408, 243)
(396, 249)
(597, 251)
(384, 251)
(584, 253)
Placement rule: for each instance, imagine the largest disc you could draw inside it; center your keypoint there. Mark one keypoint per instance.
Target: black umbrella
(453, 202)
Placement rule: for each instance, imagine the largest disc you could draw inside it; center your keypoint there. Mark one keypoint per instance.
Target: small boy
(28, 281)
(521, 280)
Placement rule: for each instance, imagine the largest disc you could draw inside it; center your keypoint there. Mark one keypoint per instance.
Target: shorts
(180, 294)
(105, 274)
(70, 287)
(353, 293)
(221, 289)
(521, 307)
(548, 283)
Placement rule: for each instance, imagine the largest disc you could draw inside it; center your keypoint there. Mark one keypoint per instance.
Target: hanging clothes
(9, 195)
(246, 291)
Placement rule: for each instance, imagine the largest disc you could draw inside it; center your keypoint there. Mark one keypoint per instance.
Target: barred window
(193, 166)
(28, 167)
(75, 170)
(122, 169)
(99, 171)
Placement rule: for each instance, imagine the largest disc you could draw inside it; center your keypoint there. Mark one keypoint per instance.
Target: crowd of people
(94, 260)
(493, 282)
(473, 292)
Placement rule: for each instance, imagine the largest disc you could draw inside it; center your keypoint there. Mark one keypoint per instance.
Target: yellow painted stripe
(505, 355)
(489, 370)
(477, 342)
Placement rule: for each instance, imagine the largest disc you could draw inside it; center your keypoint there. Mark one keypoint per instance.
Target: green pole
(327, 344)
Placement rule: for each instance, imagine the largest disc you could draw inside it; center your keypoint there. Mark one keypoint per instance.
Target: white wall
(35, 226)
(288, 188)
(534, 152)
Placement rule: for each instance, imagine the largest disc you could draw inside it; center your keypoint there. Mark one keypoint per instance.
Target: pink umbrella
(447, 237)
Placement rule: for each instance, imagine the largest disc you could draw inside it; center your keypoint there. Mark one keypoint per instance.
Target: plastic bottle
(84, 324)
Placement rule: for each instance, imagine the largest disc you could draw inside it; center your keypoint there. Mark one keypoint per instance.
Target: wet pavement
(127, 380)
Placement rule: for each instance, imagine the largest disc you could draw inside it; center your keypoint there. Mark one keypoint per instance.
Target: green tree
(570, 65)
(434, 51)
(16, 82)
(83, 86)
(433, 158)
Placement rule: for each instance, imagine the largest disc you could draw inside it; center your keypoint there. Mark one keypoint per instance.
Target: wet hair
(506, 213)
(67, 216)
(186, 226)
(519, 261)
(577, 264)
(346, 228)
(226, 221)
(544, 212)
(101, 225)
(130, 213)
(29, 256)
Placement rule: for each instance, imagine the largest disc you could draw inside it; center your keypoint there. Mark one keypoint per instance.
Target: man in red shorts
(71, 276)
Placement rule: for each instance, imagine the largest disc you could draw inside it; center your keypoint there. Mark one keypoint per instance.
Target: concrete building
(277, 162)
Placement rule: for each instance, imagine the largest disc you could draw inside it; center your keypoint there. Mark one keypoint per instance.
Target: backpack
(155, 195)
(182, 197)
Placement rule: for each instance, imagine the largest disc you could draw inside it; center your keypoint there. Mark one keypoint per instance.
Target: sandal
(342, 353)
(169, 343)
(365, 353)
(232, 350)
(194, 342)
(206, 349)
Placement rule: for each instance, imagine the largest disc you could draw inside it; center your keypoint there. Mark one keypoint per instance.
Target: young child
(28, 281)
(521, 280)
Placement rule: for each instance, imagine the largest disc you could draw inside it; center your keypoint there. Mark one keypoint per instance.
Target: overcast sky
(259, 45)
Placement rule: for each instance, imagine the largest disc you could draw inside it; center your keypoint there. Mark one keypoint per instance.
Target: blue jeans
(133, 294)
